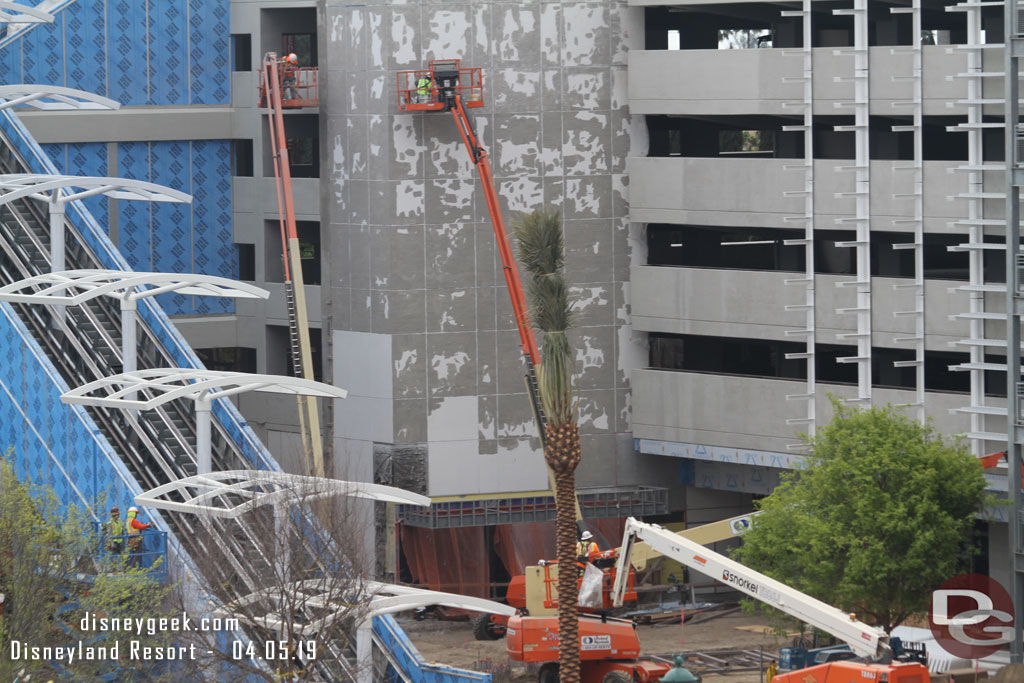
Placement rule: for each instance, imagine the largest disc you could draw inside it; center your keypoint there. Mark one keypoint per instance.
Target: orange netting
(450, 560)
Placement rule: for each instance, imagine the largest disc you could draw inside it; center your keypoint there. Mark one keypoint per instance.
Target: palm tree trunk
(568, 592)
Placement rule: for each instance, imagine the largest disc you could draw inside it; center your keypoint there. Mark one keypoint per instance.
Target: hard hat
(293, 58)
(586, 536)
(133, 509)
(115, 509)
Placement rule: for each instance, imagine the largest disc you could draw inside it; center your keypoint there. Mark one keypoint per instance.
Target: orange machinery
(609, 648)
(544, 599)
(850, 671)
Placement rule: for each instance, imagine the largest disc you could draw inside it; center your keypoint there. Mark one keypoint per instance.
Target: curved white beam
(386, 599)
(53, 98)
(74, 287)
(14, 13)
(18, 185)
(168, 384)
(218, 493)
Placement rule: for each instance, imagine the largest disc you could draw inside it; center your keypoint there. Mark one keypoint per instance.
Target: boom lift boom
(866, 641)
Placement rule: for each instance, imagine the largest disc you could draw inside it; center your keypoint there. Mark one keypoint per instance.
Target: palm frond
(541, 245)
(542, 253)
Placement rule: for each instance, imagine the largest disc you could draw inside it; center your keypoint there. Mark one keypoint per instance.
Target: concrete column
(204, 449)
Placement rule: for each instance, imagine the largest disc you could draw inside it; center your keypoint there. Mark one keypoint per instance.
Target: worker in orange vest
(289, 71)
(135, 529)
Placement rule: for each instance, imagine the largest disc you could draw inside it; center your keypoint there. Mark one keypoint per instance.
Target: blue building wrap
(134, 51)
(166, 52)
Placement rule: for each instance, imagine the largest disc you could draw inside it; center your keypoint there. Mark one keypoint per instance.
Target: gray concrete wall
(749, 192)
(745, 412)
(749, 303)
(760, 81)
(410, 252)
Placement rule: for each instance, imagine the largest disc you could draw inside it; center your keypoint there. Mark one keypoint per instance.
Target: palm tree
(542, 253)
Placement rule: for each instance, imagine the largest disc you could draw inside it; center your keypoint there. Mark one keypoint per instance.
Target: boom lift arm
(865, 641)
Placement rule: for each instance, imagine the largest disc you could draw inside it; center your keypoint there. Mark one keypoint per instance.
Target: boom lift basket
(434, 89)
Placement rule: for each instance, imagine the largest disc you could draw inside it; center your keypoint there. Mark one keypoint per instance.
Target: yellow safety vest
(423, 86)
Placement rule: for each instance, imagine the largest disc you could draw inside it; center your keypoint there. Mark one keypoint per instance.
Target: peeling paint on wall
(556, 126)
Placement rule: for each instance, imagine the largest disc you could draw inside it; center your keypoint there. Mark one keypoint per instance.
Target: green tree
(542, 253)
(881, 515)
(52, 574)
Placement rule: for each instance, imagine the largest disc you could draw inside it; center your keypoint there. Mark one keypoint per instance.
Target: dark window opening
(724, 136)
(743, 26)
(829, 257)
(241, 158)
(304, 157)
(302, 44)
(302, 133)
(241, 52)
(942, 264)
(939, 144)
(767, 359)
(887, 144)
(229, 358)
(732, 248)
(309, 251)
(247, 262)
(726, 355)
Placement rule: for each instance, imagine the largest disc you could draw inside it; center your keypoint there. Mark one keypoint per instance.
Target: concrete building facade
(824, 215)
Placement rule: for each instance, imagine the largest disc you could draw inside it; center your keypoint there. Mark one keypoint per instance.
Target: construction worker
(135, 529)
(586, 547)
(289, 71)
(114, 529)
(424, 86)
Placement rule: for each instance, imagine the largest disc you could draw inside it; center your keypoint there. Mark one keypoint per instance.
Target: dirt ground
(452, 643)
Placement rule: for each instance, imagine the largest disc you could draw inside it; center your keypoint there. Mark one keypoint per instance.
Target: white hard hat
(133, 509)
(586, 536)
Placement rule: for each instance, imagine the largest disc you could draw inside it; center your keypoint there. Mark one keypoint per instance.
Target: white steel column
(364, 652)
(976, 288)
(861, 195)
(56, 234)
(807, 282)
(129, 334)
(204, 447)
(917, 194)
(1014, 179)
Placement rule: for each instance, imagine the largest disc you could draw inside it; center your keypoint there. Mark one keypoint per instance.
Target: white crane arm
(864, 640)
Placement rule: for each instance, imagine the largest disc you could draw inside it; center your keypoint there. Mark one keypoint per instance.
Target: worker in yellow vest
(114, 529)
(423, 87)
(587, 547)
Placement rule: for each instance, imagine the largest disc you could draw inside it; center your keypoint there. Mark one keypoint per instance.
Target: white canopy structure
(48, 188)
(385, 598)
(162, 385)
(232, 493)
(75, 287)
(15, 13)
(53, 98)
